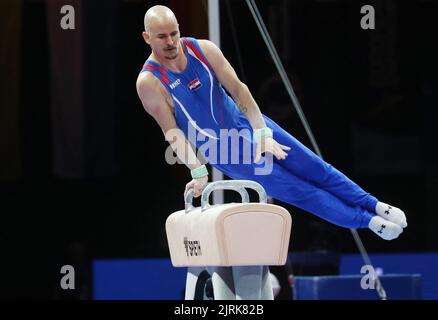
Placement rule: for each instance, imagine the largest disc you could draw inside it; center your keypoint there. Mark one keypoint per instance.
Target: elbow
(240, 92)
(243, 87)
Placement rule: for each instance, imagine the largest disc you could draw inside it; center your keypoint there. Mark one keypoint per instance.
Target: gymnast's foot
(384, 228)
(391, 213)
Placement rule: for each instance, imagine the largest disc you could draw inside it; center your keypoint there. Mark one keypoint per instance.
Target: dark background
(87, 179)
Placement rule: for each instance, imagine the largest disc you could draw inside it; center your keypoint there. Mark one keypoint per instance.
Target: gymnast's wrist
(261, 133)
(199, 172)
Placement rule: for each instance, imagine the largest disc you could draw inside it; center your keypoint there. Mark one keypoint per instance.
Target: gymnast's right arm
(153, 98)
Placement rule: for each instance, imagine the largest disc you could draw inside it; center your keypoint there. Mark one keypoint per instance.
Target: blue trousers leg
(306, 181)
(285, 186)
(307, 165)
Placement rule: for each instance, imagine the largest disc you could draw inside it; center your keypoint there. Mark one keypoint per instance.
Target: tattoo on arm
(242, 108)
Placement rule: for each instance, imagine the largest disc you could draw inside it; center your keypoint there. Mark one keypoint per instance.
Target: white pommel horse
(234, 242)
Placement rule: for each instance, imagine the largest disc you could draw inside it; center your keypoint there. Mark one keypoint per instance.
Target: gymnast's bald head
(158, 16)
(162, 32)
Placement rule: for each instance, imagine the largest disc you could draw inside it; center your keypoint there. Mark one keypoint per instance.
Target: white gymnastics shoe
(384, 228)
(391, 213)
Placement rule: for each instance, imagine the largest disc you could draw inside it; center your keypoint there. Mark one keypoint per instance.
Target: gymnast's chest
(195, 83)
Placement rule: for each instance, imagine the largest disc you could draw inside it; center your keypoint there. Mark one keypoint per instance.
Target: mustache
(169, 48)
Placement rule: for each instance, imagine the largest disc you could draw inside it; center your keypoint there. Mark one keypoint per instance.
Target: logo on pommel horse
(193, 248)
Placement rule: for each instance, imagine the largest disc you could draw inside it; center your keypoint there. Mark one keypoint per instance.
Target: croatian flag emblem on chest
(194, 84)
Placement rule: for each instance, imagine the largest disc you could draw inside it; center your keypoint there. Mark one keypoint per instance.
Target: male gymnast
(182, 86)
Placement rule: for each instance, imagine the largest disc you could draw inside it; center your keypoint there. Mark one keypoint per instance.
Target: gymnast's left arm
(244, 99)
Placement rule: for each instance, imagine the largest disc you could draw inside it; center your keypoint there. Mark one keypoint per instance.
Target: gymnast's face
(163, 37)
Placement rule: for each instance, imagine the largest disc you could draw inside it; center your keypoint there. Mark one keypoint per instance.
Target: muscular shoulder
(207, 46)
(212, 52)
(147, 83)
(151, 92)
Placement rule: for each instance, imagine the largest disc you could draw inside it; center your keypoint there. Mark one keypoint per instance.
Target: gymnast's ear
(146, 37)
